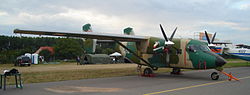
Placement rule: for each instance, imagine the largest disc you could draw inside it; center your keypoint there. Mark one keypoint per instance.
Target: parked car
(23, 61)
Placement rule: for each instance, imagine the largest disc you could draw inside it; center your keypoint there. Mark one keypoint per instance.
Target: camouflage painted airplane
(155, 52)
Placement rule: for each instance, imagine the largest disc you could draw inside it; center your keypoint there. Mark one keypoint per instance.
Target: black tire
(147, 71)
(215, 76)
(176, 71)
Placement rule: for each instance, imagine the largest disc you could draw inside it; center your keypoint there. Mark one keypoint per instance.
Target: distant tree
(68, 48)
(47, 55)
(108, 51)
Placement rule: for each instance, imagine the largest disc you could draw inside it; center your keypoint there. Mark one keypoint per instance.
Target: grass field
(71, 71)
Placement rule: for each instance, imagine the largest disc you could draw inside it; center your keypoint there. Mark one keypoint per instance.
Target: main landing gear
(148, 72)
(176, 71)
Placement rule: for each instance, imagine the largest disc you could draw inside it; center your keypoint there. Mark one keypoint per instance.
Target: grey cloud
(144, 15)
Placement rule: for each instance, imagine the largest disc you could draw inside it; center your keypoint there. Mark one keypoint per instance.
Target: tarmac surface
(197, 82)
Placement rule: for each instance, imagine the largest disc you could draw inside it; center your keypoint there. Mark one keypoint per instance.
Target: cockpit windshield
(199, 47)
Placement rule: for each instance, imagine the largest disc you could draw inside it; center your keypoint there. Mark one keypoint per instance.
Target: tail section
(130, 45)
(87, 28)
(89, 44)
(128, 31)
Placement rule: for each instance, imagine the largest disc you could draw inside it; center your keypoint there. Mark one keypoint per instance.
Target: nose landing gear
(215, 76)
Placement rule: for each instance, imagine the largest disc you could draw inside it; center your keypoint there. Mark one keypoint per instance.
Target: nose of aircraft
(220, 61)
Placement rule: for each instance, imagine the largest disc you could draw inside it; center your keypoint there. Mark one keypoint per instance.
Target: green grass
(234, 60)
(241, 64)
(34, 76)
(236, 63)
(50, 76)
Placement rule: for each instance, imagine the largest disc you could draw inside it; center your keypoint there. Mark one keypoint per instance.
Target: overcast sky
(229, 18)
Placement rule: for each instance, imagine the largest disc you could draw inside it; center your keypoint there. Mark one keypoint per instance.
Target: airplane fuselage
(185, 53)
(242, 53)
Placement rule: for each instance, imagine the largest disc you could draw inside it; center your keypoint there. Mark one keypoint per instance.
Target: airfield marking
(188, 87)
(73, 89)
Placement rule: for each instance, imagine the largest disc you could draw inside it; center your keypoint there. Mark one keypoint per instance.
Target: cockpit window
(199, 47)
(205, 48)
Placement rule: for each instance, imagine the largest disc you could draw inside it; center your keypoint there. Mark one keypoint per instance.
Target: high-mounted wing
(92, 35)
(101, 36)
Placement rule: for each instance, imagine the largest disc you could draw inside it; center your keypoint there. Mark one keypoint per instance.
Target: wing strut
(148, 64)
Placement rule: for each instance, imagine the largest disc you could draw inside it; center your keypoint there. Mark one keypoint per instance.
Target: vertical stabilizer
(87, 28)
(128, 31)
(130, 45)
(89, 44)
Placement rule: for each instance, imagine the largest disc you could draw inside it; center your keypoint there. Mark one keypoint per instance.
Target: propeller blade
(208, 40)
(213, 38)
(163, 33)
(173, 34)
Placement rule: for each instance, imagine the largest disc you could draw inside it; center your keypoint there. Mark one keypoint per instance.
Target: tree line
(65, 48)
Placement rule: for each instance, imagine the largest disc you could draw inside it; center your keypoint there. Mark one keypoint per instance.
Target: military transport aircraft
(155, 52)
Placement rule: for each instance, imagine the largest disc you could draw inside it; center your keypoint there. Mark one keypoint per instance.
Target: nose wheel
(215, 76)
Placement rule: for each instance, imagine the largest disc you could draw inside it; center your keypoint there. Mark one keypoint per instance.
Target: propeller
(168, 41)
(208, 40)
(210, 43)
(163, 33)
(213, 38)
(172, 36)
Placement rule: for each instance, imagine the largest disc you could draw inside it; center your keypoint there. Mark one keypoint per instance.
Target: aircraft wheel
(214, 76)
(176, 71)
(148, 71)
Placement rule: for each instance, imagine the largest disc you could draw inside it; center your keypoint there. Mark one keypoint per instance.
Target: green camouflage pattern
(201, 59)
(185, 53)
(128, 31)
(87, 28)
(131, 46)
(179, 56)
(89, 44)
